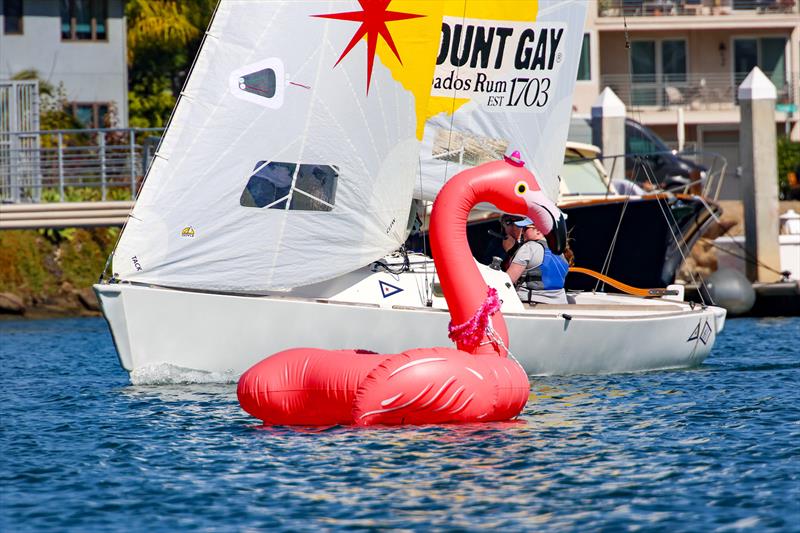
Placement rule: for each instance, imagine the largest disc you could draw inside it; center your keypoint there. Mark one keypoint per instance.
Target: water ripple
(714, 448)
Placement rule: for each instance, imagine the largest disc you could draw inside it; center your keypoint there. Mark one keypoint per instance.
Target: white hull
(226, 334)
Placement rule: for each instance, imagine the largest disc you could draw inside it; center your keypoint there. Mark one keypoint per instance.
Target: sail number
(531, 92)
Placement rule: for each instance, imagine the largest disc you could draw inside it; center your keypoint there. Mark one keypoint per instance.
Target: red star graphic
(373, 21)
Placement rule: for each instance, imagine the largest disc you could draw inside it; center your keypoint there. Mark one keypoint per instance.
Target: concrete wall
(91, 71)
(586, 91)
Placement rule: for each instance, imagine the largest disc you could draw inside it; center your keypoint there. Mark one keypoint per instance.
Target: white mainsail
(525, 97)
(294, 151)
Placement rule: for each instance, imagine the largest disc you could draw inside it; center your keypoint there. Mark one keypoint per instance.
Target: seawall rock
(88, 299)
(11, 304)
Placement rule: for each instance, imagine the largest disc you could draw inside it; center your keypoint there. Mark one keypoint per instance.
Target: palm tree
(159, 24)
(163, 38)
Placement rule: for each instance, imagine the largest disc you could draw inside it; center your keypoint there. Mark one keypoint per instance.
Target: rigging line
(610, 253)
(650, 176)
(428, 286)
(747, 255)
(607, 262)
(453, 107)
(452, 120)
(672, 225)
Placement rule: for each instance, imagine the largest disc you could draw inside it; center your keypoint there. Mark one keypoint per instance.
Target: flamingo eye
(521, 187)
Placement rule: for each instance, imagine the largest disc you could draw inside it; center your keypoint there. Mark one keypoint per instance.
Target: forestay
(294, 151)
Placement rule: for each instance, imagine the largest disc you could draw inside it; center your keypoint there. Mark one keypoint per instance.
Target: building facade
(78, 43)
(678, 64)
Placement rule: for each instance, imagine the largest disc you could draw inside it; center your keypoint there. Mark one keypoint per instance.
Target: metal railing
(695, 90)
(640, 170)
(109, 162)
(19, 112)
(649, 8)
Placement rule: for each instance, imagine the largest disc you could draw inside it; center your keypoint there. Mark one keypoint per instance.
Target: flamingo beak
(557, 238)
(549, 219)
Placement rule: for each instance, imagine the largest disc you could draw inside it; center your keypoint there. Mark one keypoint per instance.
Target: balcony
(650, 8)
(693, 91)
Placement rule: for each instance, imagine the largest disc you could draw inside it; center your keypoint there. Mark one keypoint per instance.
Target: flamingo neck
(462, 284)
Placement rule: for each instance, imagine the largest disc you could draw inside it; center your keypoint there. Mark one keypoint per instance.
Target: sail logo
(706, 333)
(188, 231)
(373, 18)
(501, 65)
(136, 264)
(703, 334)
(387, 289)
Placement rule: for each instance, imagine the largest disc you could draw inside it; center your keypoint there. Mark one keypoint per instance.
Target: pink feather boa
(471, 333)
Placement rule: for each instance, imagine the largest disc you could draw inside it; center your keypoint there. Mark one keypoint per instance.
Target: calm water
(715, 448)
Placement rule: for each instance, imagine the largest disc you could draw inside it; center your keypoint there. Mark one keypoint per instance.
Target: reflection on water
(713, 447)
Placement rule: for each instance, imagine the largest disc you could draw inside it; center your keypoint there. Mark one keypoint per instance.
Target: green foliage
(83, 255)
(86, 194)
(35, 263)
(163, 38)
(21, 263)
(788, 159)
(45, 87)
(151, 102)
(158, 23)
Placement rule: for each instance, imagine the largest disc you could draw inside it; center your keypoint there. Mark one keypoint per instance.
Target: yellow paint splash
(417, 41)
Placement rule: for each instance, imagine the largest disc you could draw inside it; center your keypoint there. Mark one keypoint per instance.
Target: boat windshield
(641, 142)
(581, 176)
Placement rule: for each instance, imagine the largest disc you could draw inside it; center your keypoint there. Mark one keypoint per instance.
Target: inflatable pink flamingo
(475, 383)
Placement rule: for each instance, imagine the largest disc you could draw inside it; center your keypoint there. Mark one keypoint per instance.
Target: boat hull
(226, 334)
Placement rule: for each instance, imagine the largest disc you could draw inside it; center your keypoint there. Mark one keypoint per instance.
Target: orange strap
(627, 289)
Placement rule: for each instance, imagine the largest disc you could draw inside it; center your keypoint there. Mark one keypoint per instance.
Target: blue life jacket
(550, 275)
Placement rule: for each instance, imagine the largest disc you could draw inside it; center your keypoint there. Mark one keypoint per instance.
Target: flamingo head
(518, 193)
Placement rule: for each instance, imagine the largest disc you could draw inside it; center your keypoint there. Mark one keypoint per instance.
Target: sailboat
(285, 185)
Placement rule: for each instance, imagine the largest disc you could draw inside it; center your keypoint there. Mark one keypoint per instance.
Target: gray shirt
(531, 256)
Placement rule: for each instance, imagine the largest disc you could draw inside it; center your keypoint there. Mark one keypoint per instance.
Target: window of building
(767, 53)
(673, 61)
(12, 17)
(303, 187)
(657, 66)
(91, 115)
(585, 62)
(84, 20)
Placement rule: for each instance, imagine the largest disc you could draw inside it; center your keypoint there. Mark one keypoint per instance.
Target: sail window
(261, 83)
(276, 185)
